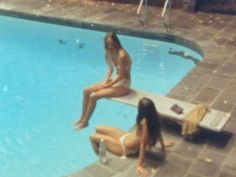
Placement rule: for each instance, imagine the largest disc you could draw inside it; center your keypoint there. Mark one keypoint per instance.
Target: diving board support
(213, 120)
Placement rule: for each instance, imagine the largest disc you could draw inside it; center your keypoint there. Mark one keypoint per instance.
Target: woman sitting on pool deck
(119, 85)
(145, 135)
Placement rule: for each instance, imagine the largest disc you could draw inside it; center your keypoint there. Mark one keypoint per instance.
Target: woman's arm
(109, 70)
(162, 142)
(143, 147)
(121, 64)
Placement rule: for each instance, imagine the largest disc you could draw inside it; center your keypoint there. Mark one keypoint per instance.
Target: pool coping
(106, 28)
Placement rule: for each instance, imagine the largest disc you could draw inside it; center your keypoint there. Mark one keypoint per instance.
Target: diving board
(214, 120)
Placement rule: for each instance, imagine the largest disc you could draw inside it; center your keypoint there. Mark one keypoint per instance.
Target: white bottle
(102, 152)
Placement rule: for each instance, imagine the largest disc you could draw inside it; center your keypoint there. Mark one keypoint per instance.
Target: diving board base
(213, 120)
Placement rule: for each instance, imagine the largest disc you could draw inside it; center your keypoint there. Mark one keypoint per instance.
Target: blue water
(43, 70)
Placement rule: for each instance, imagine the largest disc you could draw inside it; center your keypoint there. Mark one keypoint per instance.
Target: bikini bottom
(124, 152)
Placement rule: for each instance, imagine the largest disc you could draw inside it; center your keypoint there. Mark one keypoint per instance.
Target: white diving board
(214, 120)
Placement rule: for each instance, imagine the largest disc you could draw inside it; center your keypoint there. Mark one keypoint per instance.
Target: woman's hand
(142, 171)
(104, 85)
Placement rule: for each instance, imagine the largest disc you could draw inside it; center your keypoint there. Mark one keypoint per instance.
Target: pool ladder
(166, 9)
(144, 21)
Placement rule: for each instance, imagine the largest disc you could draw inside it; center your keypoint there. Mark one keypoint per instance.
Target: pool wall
(105, 28)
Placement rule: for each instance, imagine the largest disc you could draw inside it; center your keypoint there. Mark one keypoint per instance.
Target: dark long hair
(112, 36)
(147, 110)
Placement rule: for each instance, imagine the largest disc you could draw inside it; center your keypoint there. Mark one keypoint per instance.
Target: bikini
(123, 82)
(122, 143)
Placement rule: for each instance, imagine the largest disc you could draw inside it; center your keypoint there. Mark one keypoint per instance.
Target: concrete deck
(213, 81)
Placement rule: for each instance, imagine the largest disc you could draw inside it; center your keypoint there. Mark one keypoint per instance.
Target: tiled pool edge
(105, 28)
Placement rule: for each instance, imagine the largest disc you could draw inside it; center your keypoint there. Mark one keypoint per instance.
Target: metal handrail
(166, 5)
(139, 7)
(143, 22)
(164, 8)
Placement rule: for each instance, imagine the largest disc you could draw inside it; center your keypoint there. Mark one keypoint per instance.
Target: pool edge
(105, 28)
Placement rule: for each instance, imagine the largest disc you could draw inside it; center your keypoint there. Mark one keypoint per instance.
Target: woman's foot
(77, 122)
(80, 125)
(169, 143)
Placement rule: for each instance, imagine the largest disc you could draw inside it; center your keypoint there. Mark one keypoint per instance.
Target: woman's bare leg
(84, 105)
(86, 94)
(83, 122)
(106, 92)
(110, 131)
(112, 144)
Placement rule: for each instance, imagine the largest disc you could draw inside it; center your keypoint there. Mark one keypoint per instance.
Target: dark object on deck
(177, 109)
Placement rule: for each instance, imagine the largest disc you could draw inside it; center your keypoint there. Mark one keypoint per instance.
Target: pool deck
(213, 81)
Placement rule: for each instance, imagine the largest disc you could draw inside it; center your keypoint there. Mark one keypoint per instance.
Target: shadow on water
(184, 55)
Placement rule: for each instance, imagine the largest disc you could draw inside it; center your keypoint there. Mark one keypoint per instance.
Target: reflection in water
(183, 55)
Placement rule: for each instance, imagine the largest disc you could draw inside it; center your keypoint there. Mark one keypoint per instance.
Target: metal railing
(166, 9)
(144, 20)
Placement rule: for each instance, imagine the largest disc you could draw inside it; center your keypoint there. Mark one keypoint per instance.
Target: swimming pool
(43, 69)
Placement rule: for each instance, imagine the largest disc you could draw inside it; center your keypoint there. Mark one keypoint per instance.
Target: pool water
(43, 70)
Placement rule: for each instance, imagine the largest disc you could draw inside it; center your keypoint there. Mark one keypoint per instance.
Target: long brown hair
(111, 36)
(147, 110)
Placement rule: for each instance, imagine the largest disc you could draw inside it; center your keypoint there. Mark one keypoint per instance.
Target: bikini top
(118, 66)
